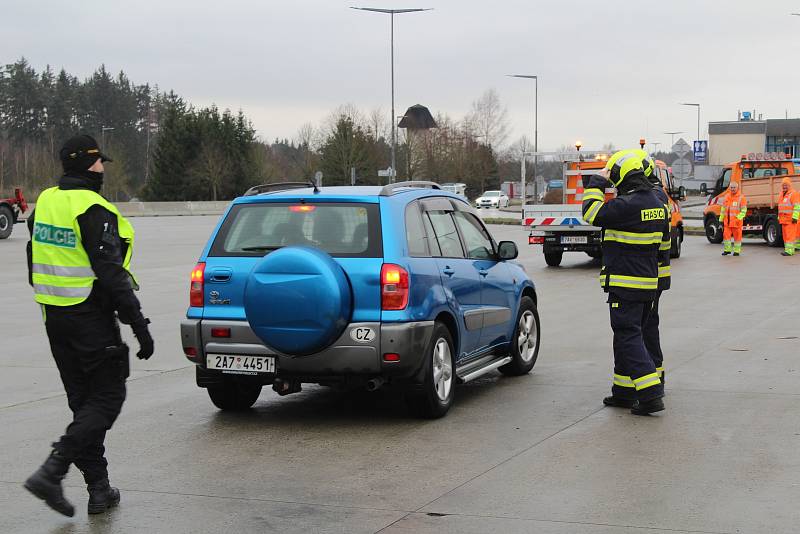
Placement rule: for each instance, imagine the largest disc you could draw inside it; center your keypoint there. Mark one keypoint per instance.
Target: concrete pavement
(537, 453)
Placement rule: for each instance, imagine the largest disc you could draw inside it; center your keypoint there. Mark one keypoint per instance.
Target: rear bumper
(344, 358)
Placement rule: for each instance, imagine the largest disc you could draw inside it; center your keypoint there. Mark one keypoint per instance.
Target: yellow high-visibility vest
(62, 272)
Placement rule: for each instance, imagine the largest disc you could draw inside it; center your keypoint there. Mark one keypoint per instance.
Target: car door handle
(448, 271)
(483, 272)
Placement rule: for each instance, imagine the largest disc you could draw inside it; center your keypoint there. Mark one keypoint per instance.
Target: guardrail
(165, 209)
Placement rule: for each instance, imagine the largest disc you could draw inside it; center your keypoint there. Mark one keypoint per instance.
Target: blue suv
(354, 287)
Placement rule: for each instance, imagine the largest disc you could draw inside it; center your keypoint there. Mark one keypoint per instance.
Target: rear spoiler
(279, 186)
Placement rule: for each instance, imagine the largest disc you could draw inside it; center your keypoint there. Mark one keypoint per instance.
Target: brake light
(535, 240)
(302, 209)
(394, 287)
(190, 352)
(391, 357)
(196, 285)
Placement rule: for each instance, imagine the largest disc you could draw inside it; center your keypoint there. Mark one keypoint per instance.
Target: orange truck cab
(759, 177)
(675, 195)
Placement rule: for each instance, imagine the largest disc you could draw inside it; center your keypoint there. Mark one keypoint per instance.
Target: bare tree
(488, 119)
(377, 126)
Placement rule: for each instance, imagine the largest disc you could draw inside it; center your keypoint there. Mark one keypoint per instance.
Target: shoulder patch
(653, 214)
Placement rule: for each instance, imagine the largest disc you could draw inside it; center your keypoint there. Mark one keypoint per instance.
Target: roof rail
(278, 186)
(388, 190)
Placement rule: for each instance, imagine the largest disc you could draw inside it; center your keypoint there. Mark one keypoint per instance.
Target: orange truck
(560, 228)
(759, 177)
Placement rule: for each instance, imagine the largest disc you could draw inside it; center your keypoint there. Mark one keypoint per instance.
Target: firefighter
(79, 266)
(650, 332)
(633, 228)
(731, 215)
(788, 216)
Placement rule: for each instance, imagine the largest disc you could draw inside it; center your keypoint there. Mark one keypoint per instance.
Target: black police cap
(81, 149)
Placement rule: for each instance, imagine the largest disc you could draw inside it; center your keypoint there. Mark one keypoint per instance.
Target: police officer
(633, 227)
(79, 266)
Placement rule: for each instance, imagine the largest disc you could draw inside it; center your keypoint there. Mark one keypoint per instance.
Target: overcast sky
(609, 71)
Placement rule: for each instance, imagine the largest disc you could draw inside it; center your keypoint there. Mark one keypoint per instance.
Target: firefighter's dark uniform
(633, 227)
(78, 261)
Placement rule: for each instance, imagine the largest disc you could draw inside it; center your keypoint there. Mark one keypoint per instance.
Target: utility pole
(535, 79)
(392, 13)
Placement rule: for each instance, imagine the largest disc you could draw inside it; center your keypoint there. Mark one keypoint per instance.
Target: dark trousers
(635, 374)
(652, 338)
(93, 364)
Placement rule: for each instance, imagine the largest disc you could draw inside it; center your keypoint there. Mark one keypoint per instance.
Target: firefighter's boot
(45, 483)
(648, 407)
(619, 402)
(102, 496)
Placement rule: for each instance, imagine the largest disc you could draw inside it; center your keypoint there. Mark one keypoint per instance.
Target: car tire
(713, 230)
(433, 397)
(677, 242)
(524, 341)
(234, 396)
(6, 222)
(773, 234)
(553, 259)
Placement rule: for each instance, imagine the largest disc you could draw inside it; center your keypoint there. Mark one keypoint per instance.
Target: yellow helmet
(622, 163)
(647, 161)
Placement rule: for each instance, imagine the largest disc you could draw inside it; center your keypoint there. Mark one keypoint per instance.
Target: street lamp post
(392, 13)
(698, 116)
(672, 138)
(535, 79)
(103, 130)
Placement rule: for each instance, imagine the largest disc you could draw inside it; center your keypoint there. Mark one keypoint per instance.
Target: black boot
(102, 496)
(45, 483)
(648, 407)
(619, 402)
(725, 253)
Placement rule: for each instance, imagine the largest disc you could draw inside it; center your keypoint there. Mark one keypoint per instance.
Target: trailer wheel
(772, 233)
(6, 222)
(713, 230)
(553, 259)
(677, 241)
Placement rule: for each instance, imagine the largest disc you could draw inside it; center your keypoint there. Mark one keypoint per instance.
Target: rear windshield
(341, 229)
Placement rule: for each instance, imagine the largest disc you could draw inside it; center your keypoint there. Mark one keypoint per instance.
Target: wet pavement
(537, 453)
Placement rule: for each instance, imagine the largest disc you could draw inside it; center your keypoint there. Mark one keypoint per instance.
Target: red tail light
(394, 287)
(221, 332)
(535, 240)
(196, 285)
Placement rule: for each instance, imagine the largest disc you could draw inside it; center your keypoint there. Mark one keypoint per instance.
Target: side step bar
(481, 367)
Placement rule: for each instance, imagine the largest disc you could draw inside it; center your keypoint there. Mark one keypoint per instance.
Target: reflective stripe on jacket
(62, 273)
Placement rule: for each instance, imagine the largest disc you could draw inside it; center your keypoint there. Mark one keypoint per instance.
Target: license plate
(574, 240)
(241, 364)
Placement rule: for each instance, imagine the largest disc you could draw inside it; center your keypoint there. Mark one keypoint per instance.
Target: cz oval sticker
(362, 334)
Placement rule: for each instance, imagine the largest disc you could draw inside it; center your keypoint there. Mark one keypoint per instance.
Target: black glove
(595, 181)
(142, 333)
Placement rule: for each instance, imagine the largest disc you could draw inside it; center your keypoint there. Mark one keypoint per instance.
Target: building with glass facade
(730, 139)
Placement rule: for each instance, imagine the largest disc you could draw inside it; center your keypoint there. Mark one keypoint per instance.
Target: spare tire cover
(298, 300)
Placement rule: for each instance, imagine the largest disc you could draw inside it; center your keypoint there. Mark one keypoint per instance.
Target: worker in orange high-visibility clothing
(731, 215)
(788, 216)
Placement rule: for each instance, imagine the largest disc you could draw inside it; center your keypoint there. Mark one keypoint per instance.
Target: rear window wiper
(261, 247)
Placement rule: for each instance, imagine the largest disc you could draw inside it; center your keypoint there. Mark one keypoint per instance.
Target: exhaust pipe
(373, 384)
(285, 387)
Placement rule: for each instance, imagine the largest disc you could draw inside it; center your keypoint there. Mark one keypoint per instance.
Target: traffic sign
(681, 168)
(681, 148)
(700, 151)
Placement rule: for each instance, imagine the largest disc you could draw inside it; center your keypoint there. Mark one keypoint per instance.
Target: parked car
(492, 199)
(399, 286)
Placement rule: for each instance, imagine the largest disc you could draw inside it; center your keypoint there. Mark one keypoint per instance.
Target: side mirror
(703, 189)
(680, 194)
(507, 250)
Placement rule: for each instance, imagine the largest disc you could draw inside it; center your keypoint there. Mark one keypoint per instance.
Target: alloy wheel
(442, 369)
(526, 341)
